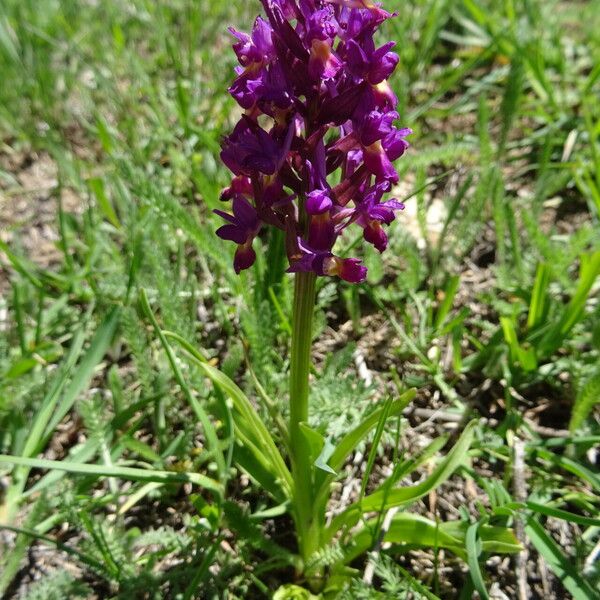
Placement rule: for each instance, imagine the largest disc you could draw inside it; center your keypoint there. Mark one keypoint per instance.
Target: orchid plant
(312, 155)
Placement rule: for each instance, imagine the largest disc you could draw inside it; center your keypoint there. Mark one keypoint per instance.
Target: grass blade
(207, 426)
(558, 562)
(473, 545)
(130, 473)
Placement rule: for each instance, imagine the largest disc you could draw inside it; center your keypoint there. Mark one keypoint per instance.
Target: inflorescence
(313, 151)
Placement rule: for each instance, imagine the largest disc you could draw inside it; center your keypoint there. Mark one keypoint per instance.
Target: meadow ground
(111, 115)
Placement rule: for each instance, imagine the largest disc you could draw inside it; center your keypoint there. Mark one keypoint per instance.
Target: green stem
(304, 306)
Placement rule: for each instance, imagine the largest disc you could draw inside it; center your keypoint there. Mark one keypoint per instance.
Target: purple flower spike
(313, 151)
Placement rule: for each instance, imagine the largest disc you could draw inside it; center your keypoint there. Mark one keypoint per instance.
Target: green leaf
(384, 499)
(415, 531)
(510, 101)
(9, 41)
(249, 421)
(248, 458)
(314, 441)
(524, 357)
(351, 440)
(324, 456)
(140, 448)
(294, 592)
(78, 454)
(449, 294)
(496, 540)
(20, 368)
(54, 408)
(248, 424)
(538, 306)
(443, 471)
(571, 466)
(247, 528)
(28, 269)
(11, 561)
(558, 562)
(411, 465)
(85, 371)
(383, 417)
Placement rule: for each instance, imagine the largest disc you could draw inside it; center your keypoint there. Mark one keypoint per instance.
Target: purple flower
(376, 125)
(323, 63)
(325, 263)
(348, 269)
(242, 227)
(378, 156)
(257, 48)
(250, 149)
(271, 92)
(394, 143)
(375, 66)
(244, 88)
(313, 152)
(371, 214)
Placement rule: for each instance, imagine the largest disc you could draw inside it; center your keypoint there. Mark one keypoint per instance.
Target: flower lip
(374, 234)
(379, 164)
(384, 95)
(244, 258)
(325, 263)
(355, 3)
(394, 143)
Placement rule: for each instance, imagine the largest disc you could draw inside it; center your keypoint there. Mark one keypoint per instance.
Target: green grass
(495, 316)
